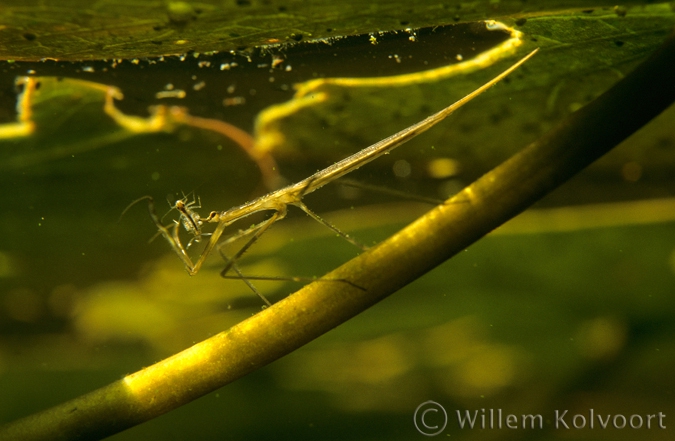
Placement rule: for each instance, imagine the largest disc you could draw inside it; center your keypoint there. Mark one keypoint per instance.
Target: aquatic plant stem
(446, 230)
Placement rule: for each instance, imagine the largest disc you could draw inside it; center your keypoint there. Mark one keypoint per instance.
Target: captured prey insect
(191, 220)
(278, 201)
(188, 217)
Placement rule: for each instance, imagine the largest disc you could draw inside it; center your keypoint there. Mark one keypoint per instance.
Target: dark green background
(560, 313)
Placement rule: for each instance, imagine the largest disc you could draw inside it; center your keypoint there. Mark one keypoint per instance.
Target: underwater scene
(252, 219)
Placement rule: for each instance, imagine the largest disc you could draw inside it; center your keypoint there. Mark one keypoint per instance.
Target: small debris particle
(413, 35)
(443, 168)
(402, 168)
(631, 171)
(621, 11)
(180, 12)
(178, 93)
(234, 101)
(228, 66)
(276, 60)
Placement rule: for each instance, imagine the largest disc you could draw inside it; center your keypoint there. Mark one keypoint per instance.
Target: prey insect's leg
(161, 229)
(172, 237)
(323, 221)
(142, 198)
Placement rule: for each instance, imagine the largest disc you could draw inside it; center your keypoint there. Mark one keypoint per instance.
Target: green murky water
(571, 308)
